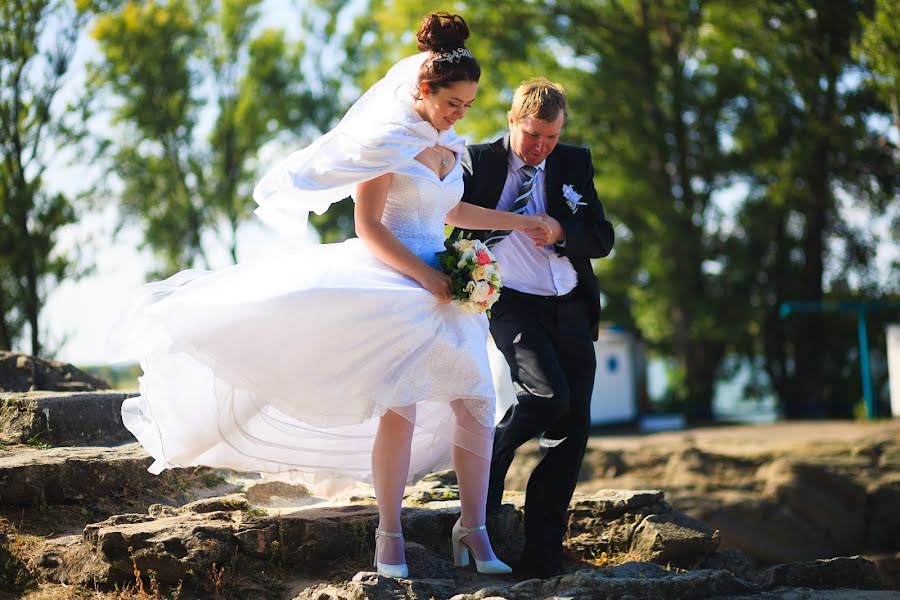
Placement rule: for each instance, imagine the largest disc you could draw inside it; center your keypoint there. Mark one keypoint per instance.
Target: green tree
(644, 99)
(256, 82)
(654, 109)
(686, 104)
(147, 49)
(32, 70)
(879, 48)
(806, 146)
(169, 65)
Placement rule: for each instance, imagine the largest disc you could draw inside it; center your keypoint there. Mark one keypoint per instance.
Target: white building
(620, 367)
(893, 355)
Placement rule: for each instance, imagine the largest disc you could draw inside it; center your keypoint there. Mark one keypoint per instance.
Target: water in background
(729, 403)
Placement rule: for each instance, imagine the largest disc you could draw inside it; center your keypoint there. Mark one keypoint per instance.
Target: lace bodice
(417, 205)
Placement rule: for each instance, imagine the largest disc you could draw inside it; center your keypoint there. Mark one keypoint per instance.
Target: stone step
(622, 582)
(63, 418)
(331, 542)
(30, 476)
(845, 579)
(176, 542)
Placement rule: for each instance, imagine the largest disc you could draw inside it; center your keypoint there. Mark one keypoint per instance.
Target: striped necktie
(519, 204)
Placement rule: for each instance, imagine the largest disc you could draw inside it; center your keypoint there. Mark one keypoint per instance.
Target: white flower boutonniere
(572, 198)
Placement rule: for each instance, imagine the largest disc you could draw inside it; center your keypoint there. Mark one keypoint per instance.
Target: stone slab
(63, 418)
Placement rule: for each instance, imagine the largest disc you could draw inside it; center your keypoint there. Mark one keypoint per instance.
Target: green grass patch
(255, 511)
(36, 442)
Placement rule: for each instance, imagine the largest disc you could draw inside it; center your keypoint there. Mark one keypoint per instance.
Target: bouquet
(474, 274)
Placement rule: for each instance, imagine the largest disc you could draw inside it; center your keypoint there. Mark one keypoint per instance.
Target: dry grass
(28, 529)
(28, 549)
(612, 559)
(49, 591)
(58, 519)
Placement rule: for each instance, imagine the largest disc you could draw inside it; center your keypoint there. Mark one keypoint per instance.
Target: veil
(379, 133)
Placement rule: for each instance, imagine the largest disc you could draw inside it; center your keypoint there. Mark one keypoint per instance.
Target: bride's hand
(551, 231)
(436, 282)
(534, 225)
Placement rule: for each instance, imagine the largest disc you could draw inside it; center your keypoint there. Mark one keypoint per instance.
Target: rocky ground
(781, 492)
(777, 511)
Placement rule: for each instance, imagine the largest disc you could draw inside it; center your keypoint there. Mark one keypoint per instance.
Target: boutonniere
(572, 198)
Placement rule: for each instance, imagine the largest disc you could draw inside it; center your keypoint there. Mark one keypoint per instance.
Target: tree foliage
(172, 67)
(36, 46)
(805, 144)
(879, 48)
(742, 151)
(730, 143)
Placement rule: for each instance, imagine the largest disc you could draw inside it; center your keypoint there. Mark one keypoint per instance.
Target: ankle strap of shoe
(468, 530)
(392, 534)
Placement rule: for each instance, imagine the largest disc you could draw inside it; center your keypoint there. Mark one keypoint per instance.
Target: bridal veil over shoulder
(284, 364)
(380, 132)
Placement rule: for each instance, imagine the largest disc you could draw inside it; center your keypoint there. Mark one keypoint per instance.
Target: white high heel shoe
(461, 552)
(385, 569)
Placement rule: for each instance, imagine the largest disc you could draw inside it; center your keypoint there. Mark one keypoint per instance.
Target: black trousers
(549, 346)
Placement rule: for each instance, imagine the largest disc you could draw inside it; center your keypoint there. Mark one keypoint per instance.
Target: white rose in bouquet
(481, 292)
(465, 244)
(475, 276)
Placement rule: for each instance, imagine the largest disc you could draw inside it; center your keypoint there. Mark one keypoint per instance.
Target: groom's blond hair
(539, 98)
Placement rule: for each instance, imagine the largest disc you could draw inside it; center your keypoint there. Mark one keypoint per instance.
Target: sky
(82, 318)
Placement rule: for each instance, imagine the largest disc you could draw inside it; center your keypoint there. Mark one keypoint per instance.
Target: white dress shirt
(523, 266)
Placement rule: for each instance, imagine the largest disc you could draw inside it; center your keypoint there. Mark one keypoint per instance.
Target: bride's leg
(472, 473)
(390, 469)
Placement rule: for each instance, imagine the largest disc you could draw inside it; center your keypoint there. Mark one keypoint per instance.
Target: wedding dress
(283, 365)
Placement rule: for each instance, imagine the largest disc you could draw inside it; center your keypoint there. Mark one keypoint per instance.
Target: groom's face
(533, 139)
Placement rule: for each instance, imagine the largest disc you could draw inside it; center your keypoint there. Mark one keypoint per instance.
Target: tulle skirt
(284, 365)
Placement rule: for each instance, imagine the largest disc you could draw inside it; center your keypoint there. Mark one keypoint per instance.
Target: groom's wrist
(561, 237)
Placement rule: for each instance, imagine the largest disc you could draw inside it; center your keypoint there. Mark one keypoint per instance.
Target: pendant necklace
(444, 161)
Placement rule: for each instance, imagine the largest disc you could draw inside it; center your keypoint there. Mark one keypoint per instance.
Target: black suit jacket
(588, 233)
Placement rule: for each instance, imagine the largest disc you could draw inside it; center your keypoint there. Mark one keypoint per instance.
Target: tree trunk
(808, 341)
(775, 338)
(5, 333)
(34, 309)
(703, 362)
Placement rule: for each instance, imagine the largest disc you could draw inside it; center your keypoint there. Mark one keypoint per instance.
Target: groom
(546, 319)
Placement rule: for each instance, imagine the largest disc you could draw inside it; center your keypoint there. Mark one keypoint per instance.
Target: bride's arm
(371, 197)
(469, 216)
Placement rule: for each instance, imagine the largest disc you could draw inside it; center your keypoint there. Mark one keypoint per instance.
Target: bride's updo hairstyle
(444, 36)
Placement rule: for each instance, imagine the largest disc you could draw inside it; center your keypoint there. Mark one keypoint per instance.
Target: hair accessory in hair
(455, 56)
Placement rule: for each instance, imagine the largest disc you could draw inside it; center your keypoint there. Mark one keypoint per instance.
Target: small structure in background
(621, 375)
(619, 384)
(893, 354)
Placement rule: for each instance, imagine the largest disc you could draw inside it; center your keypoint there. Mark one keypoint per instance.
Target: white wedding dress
(284, 365)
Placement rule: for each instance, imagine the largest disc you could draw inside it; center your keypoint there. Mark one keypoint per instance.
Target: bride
(343, 362)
